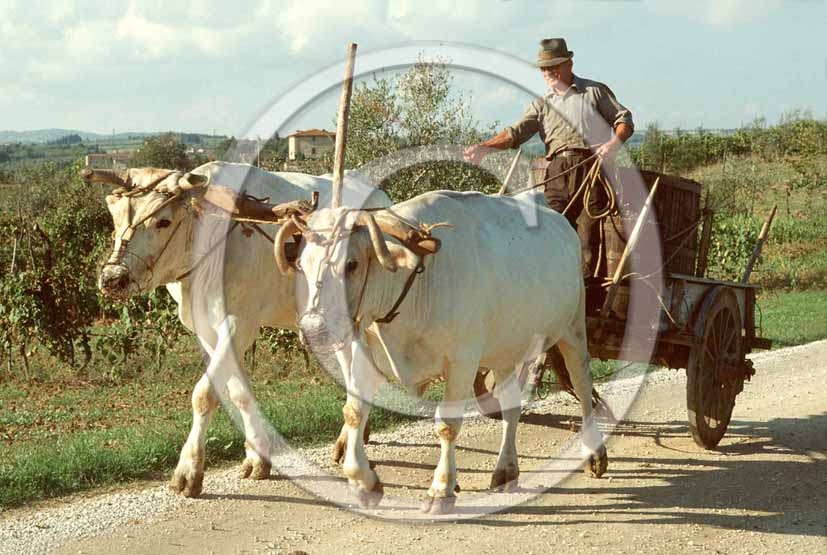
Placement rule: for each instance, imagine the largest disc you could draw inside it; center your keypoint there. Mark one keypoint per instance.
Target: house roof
(313, 133)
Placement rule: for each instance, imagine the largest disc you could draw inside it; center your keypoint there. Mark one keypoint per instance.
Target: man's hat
(553, 52)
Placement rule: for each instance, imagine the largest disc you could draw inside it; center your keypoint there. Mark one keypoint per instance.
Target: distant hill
(46, 135)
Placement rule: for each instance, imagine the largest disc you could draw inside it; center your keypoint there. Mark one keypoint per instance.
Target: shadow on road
(695, 490)
(696, 487)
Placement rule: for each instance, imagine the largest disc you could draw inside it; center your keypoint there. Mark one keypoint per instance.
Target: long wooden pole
(756, 250)
(511, 169)
(630, 246)
(341, 127)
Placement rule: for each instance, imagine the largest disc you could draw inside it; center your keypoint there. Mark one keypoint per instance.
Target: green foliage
(60, 231)
(731, 245)
(163, 151)
(48, 292)
(71, 139)
(394, 116)
(272, 154)
(796, 135)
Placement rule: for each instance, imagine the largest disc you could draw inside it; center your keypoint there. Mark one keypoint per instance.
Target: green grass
(793, 318)
(53, 443)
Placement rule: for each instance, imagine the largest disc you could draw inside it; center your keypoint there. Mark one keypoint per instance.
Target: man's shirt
(585, 116)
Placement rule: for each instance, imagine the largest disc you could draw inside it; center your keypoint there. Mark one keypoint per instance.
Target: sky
(216, 66)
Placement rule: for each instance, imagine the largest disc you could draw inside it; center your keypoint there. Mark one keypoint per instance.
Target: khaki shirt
(584, 117)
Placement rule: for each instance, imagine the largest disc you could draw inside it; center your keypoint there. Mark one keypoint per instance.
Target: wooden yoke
(418, 240)
(228, 203)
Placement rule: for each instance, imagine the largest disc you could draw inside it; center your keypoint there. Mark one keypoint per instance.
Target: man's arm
(619, 117)
(500, 141)
(622, 133)
(510, 137)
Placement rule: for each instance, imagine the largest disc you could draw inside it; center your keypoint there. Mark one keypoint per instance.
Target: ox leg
(226, 374)
(363, 381)
(507, 471)
(339, 447)
(188, 477)
(256, 465)
(576, 355)
(448, 423)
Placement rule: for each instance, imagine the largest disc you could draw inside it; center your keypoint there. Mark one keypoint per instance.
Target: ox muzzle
(324, 332)
(114, 281)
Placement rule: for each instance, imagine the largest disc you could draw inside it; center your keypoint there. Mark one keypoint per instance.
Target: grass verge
(82, 438)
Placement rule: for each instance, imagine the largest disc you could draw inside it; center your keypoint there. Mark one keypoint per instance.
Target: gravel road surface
(763, 491)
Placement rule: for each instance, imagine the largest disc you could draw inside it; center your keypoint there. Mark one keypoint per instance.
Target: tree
(418, 108)
(163, 151)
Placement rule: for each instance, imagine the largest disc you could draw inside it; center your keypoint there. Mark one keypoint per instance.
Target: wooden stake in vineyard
(341, 127)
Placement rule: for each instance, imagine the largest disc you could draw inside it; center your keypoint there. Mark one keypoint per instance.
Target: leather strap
(392, 313)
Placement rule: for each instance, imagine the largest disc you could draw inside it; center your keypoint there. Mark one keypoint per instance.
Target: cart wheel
(709, 401)
(484, 393)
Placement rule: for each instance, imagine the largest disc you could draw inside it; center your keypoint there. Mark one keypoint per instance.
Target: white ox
(496, 291)
(159, 239)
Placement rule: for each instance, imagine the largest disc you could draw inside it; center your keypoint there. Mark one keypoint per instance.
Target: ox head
(149, 209)
(350, 269)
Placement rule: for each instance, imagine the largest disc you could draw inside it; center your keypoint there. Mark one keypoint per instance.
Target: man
(576, 117)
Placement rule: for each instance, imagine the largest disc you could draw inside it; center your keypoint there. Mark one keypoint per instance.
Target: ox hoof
(438, 505)
(505, 479)
(367, 499)
(255, 469)
(599, 462)
(189, 484)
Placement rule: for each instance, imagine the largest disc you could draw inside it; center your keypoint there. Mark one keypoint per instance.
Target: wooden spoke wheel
(711, 385)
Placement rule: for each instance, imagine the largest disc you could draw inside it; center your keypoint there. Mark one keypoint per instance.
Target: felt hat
(553, 52)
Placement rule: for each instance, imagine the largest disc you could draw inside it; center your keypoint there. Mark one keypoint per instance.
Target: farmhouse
(310, 144)
(117, 159)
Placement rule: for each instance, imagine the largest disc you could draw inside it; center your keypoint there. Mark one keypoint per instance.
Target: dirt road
(763, 491)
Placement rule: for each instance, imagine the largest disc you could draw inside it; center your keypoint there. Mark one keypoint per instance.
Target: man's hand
(500, 141)
(475, 153)
(608, 150)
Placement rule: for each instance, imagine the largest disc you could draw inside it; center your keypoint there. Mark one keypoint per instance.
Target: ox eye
(351, 266)
(162, 224)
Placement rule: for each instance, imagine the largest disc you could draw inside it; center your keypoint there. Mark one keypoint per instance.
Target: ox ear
(404, 258)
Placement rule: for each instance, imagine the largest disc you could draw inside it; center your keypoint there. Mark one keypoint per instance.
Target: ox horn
(379, 244)
(280, 245)
(192, 181)
(110, 177)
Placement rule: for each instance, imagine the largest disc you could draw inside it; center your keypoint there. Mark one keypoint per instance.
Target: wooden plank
(341, 127)
(630, 246)
(707, 281)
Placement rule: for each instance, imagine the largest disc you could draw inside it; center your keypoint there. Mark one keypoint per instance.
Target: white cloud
(718, 12)
(217, 63)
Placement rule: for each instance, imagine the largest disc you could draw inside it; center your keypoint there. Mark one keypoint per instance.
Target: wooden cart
(704, 325)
